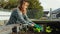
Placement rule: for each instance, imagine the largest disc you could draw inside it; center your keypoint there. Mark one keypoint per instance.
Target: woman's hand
(37, 28)
(32, 25)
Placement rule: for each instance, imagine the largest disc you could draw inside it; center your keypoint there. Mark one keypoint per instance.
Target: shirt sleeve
(27, 19)
(21, 19)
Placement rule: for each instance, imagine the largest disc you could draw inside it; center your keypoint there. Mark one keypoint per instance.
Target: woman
(19, 15)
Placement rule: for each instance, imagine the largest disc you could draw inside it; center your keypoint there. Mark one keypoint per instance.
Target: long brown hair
(21, 2)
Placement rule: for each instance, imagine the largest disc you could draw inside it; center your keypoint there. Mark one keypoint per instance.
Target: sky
(54, 4)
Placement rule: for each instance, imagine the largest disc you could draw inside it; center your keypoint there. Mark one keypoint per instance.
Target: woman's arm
(27, 19)
(20, 19)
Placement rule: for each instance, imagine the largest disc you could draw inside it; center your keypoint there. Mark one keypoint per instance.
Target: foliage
(35, 10)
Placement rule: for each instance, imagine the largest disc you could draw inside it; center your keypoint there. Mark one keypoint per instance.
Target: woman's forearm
(27, 19)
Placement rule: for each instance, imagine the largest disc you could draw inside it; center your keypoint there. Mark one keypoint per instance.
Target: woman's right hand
(37, 28)
(32, 25)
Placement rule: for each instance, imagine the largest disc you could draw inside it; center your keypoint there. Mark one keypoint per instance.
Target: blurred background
(44, 12)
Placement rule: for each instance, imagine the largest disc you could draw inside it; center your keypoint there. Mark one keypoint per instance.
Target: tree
(35, 9)
(9, 4)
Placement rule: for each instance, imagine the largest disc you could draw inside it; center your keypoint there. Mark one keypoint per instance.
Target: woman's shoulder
(14, 10)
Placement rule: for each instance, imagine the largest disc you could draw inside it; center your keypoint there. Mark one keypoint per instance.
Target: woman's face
(25, 5)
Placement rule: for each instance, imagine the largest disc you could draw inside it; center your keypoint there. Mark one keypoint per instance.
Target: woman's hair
(21, 2)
